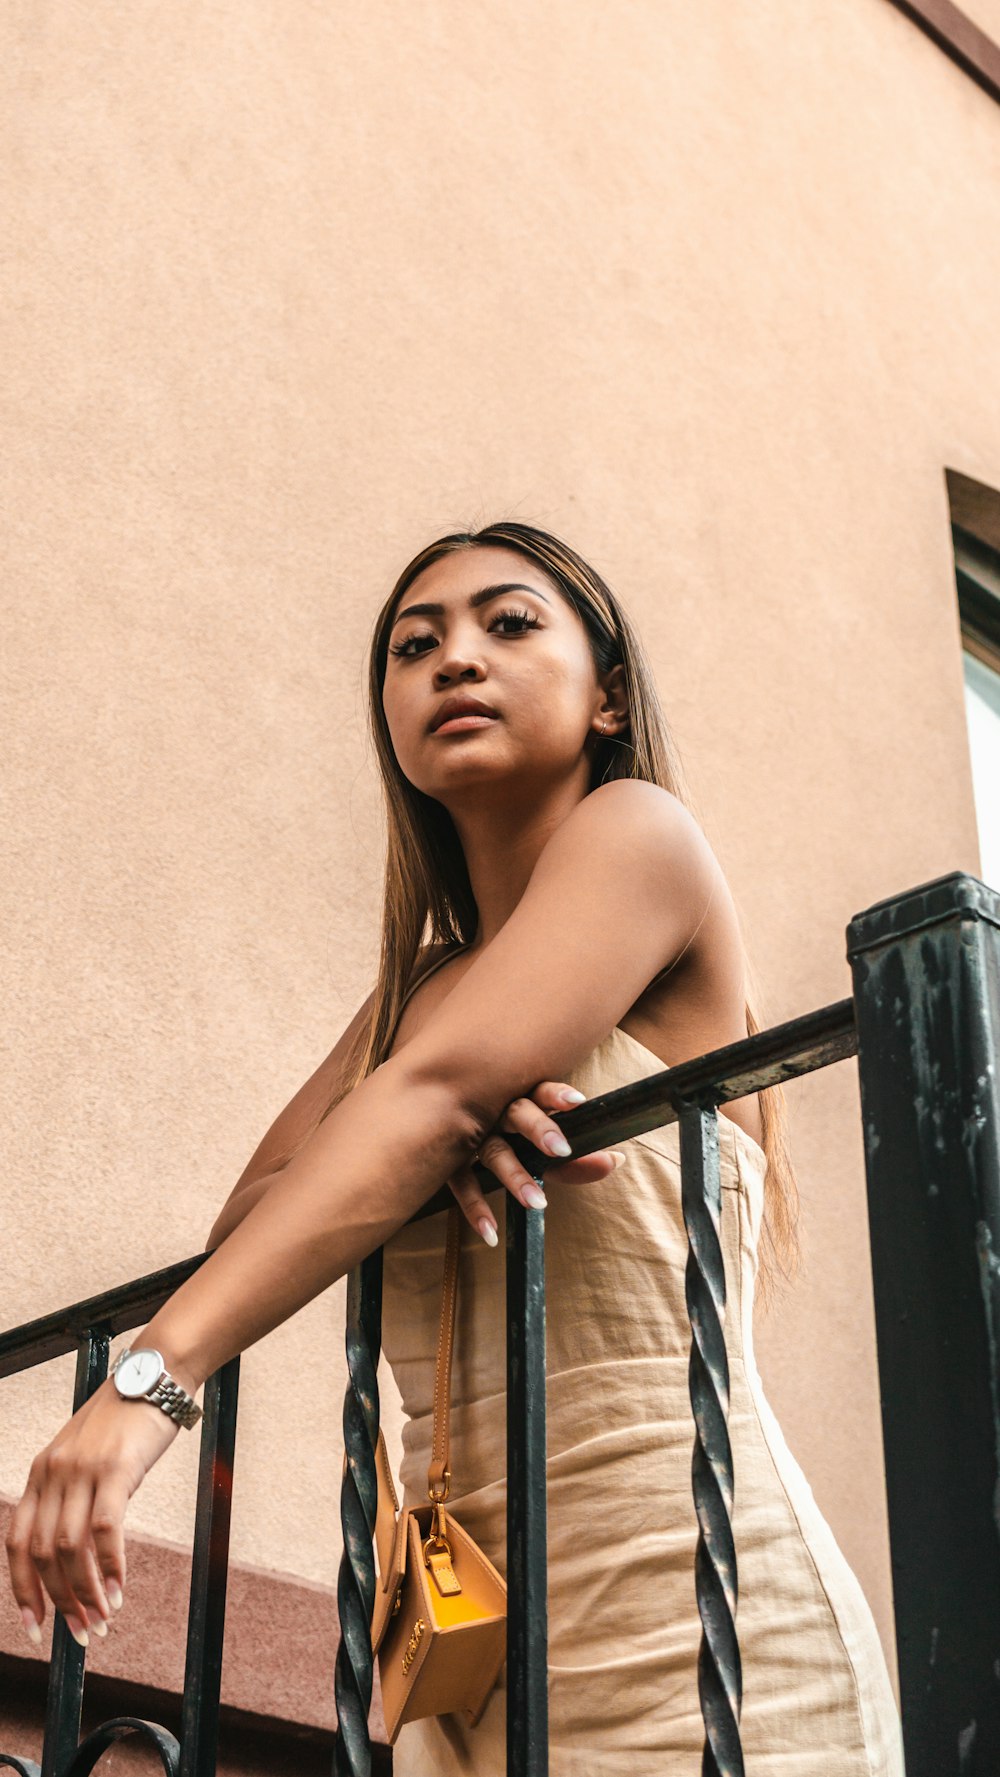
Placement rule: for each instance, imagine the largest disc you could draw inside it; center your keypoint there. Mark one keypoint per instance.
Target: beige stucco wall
(985, 14)
(712, 293)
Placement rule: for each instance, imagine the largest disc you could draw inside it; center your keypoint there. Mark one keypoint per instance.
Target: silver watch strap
(175, 1401)
(167, 1394)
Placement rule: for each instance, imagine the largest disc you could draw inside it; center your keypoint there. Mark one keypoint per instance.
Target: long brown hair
(426, 879)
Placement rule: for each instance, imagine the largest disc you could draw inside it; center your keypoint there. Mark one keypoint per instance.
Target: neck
(503, 845)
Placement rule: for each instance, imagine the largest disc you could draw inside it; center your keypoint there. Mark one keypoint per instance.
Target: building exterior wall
(986, 14)
(710, 292)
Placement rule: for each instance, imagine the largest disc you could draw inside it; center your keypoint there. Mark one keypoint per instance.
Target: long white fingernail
(31, 1624)
(114, 1593)
(488, 1232)
(618, 1158)
(554, 1142)
(570, 1095)
(77, 1631)
(96, 1622)
(534, 1197)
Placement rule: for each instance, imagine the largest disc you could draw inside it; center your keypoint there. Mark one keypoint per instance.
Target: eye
(404, 647)
(523, 619)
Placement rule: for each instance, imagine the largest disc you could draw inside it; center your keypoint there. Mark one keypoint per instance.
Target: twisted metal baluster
(358, 1501)
(125, 1727)
(720, 1675)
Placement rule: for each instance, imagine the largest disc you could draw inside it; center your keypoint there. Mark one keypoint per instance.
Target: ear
(613, 709)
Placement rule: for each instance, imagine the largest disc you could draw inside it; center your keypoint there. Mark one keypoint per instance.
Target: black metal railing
(924, 1022)
(88, 1328)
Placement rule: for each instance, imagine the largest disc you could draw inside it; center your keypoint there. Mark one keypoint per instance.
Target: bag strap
(438, 1474)
(390, 1522)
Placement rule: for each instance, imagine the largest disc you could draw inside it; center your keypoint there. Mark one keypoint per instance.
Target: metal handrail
(689, 1093)
(924, 1021)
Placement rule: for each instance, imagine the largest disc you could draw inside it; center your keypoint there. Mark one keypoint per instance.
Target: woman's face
(486, 624)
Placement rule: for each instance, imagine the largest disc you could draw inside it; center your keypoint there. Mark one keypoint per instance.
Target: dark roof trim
(976, 54)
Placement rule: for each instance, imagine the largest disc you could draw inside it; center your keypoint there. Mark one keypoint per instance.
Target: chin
(468, 777)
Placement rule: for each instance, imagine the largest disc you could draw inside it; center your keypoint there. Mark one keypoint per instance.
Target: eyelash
(402, 648)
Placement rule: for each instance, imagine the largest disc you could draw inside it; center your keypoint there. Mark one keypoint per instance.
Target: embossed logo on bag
(413, 1644)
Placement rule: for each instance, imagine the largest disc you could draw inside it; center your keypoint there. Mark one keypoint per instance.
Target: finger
(45, 1552)
(473, 1204)
(25, 1583)
(526, 1116)
(499, 1158)
(556, 1095)
(76, 1555)
(586, 1169)
(107, 1528)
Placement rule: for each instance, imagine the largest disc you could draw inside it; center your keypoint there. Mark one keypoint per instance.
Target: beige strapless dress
(623, 1623)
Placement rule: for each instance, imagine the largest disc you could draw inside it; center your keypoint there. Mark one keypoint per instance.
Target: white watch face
(139, 1372)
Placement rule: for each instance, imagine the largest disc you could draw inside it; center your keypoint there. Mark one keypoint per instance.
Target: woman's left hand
(66, 1535)
(532, 1117)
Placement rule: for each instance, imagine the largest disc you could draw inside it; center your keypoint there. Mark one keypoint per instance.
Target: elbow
(239, 1203)
(446, 1101)
(217, 1235)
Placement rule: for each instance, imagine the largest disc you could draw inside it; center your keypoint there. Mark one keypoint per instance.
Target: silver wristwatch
(142, 1376)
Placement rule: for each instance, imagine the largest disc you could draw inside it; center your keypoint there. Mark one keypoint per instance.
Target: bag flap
(386, 1529)
(390, 1578)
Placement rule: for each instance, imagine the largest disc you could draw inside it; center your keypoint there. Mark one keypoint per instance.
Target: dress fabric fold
(624, 1629)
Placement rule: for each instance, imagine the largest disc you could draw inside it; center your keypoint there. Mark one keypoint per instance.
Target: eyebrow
(481, 597)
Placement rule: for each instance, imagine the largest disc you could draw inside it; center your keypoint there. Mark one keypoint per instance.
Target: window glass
(982, 706)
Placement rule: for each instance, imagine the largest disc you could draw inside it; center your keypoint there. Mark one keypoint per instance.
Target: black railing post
(527, 1557)
(202, 1692)
(354, 1665)
(64, 1698)
(720, 1671)
(926, 968)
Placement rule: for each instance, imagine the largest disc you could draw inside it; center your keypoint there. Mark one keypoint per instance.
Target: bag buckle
(438, 1555)
(436, 1495)
(438, 1537)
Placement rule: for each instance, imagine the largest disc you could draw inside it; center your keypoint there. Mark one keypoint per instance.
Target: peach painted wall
(710, 292)
(985, 14)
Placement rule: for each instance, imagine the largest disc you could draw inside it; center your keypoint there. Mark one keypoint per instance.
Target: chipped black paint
(527, 1560)
(720, 1675)
(353, 1672)
(925, 1023)
(89, 1327)
(926, 969)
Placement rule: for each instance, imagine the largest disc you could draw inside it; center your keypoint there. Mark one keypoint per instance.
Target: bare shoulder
(640, 806)
(644, 815)
(640, 828)
(614, 897)
(658, 825)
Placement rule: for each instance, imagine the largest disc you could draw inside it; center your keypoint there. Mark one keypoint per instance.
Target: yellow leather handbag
(439, 1625)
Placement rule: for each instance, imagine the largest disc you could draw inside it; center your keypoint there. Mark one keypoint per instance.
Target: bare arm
(298, 1119)
(238, 1205)
(300, 1115)
(612, 900)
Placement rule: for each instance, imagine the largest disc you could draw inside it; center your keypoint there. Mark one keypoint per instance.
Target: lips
(460, 706)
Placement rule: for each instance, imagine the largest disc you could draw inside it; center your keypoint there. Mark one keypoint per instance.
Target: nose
(457, 659)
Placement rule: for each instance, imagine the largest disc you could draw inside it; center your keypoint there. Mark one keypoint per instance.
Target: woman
(582, 936)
